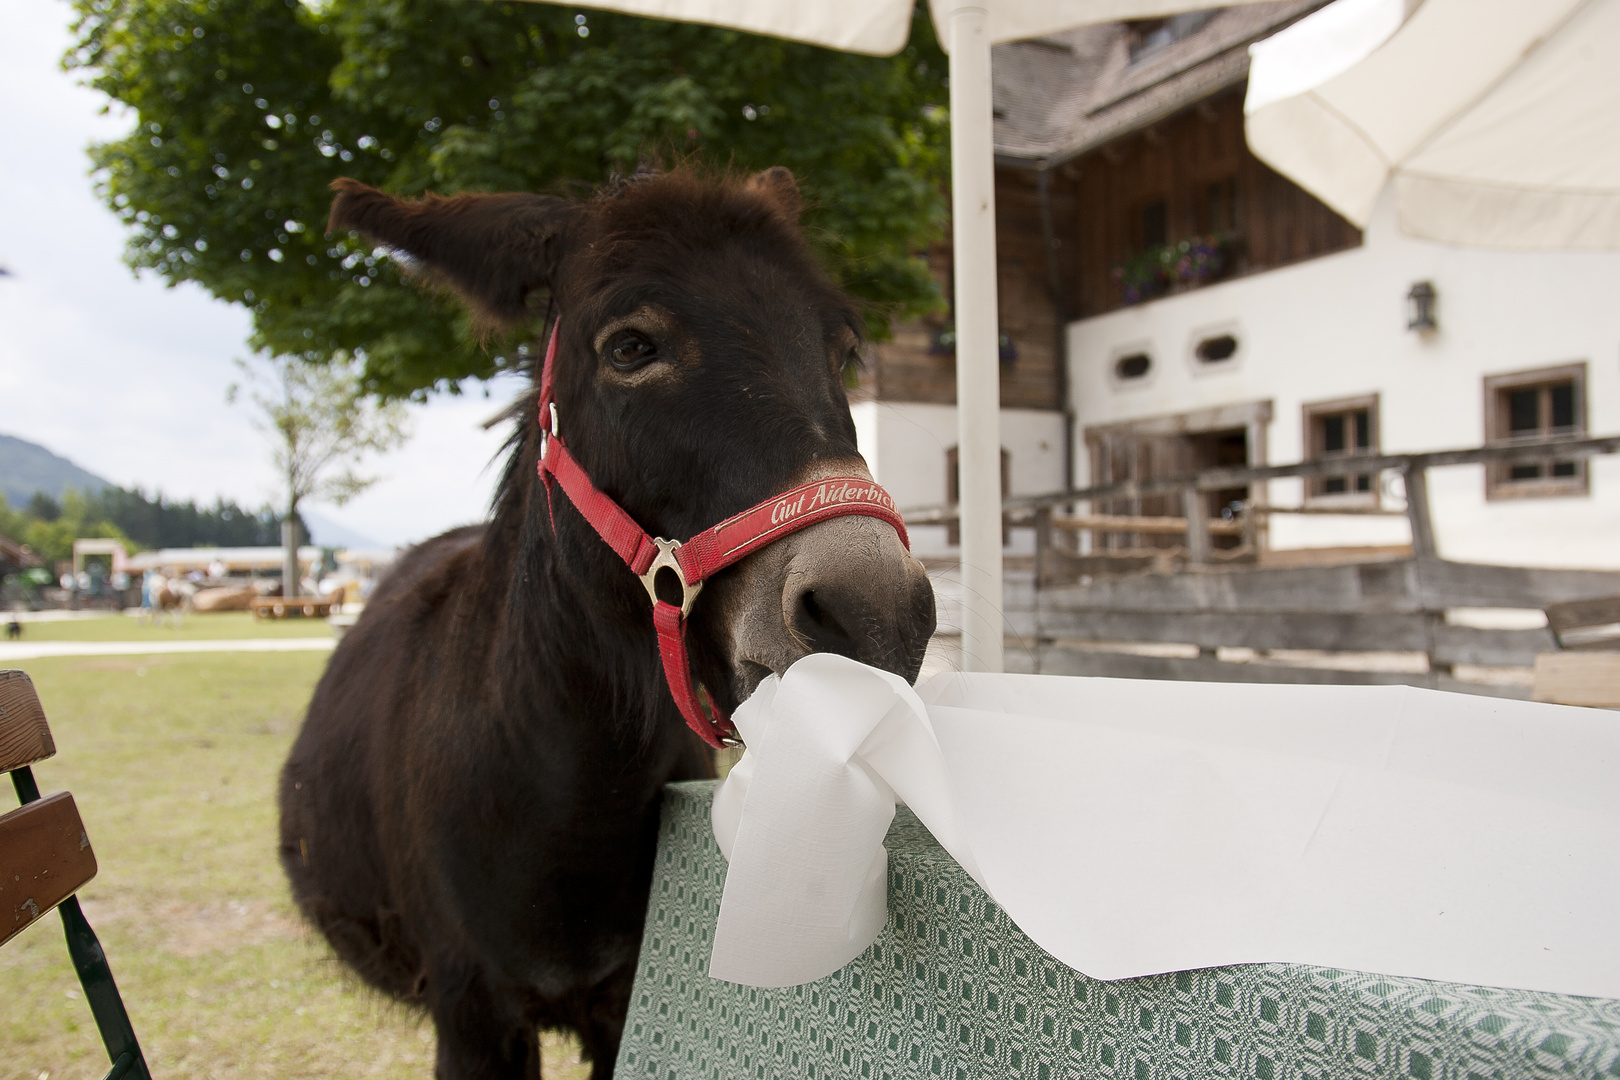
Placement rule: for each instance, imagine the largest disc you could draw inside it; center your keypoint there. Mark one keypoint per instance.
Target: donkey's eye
(628, 351)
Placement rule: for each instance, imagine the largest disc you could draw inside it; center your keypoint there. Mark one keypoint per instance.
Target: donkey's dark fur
(469, 813)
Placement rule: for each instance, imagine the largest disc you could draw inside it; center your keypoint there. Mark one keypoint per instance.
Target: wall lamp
(1420, 302)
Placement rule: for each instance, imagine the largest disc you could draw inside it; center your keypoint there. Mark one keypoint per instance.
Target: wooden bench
(1586, 670)
(953, 989)
(276, 607)
(45, 858)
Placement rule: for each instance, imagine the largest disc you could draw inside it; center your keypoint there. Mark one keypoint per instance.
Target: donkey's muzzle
(852, 594)
(847, 585)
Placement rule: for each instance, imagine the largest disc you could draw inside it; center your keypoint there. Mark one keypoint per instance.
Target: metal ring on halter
(666, 558)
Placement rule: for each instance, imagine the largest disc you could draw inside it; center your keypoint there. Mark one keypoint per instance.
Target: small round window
(1133, 366)
(1212, 350)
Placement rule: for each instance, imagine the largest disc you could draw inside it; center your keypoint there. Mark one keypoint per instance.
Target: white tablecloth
(1133, 827)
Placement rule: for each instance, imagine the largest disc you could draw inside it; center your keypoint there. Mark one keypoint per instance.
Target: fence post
(1423, 547)
(1417, 512)
(1043, 544)
(1192, 505)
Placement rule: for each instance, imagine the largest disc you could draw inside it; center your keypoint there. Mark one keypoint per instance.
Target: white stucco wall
(1335, 327)
(905, 445)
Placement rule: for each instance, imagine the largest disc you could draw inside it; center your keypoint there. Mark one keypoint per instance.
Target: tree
(318, 418)
(247, 109)
(49, 527)
(43, 507)
(159, 522)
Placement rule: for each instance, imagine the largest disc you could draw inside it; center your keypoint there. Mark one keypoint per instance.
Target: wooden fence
(1064, 616)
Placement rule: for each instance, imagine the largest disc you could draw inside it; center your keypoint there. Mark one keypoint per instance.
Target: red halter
(699, 558)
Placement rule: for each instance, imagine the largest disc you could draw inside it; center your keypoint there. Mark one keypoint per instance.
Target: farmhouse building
(1168, 302)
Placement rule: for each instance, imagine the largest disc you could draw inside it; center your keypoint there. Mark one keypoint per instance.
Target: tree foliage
(49, 527)
(247, 109)
(153, 521)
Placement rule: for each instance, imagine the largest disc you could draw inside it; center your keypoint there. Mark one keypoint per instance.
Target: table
(953, 989)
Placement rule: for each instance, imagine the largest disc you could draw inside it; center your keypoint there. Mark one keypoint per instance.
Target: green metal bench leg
(102, 993)
(94, 973)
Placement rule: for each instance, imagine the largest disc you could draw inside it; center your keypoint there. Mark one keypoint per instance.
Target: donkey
(469, 813)
(168, 596)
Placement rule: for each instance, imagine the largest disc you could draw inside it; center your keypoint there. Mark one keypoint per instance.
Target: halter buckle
(666, 558)
(546, 435)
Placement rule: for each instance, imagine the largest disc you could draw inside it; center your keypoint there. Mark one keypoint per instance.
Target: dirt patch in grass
(191, 930)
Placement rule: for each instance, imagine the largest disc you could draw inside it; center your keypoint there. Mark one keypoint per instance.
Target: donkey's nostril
(815, 622)
(849, 589)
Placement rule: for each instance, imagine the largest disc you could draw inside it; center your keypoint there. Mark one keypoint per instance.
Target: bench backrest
(25, 737)
(45, 858)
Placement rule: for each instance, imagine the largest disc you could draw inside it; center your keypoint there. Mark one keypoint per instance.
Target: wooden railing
(1091, 615)
(1042, 511)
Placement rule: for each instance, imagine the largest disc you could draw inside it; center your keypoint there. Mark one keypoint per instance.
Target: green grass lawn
(172, 761)
(220, 626)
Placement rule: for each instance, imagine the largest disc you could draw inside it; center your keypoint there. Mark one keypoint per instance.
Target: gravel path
(42, 649)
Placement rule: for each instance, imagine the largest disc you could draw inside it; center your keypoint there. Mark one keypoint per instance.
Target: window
(1344, 428)
(1144, 37)
(1213, 350)
(1220, 207)
(1134, 366)
(1532, 406)
(1155, 224)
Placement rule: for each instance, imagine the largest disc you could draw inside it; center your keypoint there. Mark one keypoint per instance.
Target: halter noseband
(699, 558)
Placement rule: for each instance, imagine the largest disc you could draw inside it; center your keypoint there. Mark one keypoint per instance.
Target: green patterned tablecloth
(953, 989)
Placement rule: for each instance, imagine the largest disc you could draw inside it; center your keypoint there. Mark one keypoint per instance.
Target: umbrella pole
(978, 388)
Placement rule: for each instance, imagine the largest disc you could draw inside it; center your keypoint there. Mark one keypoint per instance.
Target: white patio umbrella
(1497, 121)
(967, 29)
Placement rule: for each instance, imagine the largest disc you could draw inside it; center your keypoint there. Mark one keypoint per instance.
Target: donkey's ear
(777, 186)
(491, 250)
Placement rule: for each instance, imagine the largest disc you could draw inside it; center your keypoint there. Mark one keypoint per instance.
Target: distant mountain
(326, 533)
(27, 467)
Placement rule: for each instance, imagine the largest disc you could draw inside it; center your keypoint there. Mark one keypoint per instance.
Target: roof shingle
(1062, 95)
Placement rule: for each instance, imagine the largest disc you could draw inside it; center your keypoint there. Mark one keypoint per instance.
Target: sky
(127, 377)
